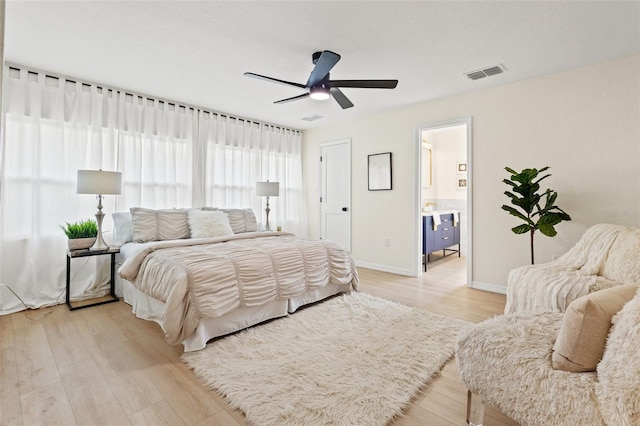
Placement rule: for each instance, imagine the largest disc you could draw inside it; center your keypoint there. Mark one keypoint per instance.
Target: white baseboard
(385, 268)
(494, 288)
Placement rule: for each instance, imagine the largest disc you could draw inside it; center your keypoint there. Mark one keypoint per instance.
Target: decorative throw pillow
(122, 228)
(585, 326)
(241, 220)
(209, 224)
(154, 225)
(172, 224)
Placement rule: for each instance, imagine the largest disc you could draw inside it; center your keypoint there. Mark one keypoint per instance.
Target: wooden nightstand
(111, 297)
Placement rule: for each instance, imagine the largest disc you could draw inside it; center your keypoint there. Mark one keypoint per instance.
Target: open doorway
(444, 191)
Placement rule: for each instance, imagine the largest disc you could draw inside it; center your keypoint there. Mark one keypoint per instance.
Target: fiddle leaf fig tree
(537, 210)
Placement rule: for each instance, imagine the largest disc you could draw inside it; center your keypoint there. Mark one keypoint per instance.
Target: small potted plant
(81, 234)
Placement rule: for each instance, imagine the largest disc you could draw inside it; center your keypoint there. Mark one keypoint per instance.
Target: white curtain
(155, 153)
(237, 153)
(170, 156)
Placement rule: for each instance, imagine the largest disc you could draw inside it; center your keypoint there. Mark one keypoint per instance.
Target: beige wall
(584, 123)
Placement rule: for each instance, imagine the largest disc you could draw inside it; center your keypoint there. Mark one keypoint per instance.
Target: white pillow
(122, 228)
(207, 224)
(241, 220)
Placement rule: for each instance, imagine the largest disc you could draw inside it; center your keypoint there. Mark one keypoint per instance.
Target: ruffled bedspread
(207, 278)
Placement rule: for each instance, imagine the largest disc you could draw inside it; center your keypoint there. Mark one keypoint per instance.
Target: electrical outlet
(387, 242)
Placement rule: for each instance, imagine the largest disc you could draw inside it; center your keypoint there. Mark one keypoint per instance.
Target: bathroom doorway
(444, 188)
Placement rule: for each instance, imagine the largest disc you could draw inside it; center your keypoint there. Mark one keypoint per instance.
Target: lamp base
(99, 245)
(267, 210)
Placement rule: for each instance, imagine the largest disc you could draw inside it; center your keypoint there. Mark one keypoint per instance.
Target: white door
(335, 192)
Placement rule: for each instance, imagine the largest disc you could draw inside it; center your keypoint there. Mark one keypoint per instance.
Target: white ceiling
(196, 52)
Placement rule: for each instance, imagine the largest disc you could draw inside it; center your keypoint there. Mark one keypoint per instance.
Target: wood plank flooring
(104, 366)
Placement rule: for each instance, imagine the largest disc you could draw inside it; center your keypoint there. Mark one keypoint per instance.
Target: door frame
(321, 189)
(417, 248)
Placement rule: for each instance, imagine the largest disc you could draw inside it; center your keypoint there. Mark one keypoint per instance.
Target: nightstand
(111, 297)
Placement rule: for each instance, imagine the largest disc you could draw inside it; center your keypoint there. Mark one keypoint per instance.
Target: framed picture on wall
(461, 167)
(379, 170)
(461, 183)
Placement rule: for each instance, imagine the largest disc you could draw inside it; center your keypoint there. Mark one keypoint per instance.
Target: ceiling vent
(313, 117)
(487, 72)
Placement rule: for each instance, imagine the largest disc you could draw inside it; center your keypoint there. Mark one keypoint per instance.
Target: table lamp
(99, 182)
(267, 189)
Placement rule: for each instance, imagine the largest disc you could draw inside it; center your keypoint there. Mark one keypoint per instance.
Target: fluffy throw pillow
(619, 370)
(157, 225)
(208, 224)
(122, 228)
(241, 220)
(585, 326)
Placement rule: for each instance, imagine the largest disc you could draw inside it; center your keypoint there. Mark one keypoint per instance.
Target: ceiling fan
(319, 86)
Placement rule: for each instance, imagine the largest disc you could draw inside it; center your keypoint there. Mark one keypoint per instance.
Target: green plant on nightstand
(81, 234)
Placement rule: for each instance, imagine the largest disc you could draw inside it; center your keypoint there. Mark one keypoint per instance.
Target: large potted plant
(81, 234)
(537, 210)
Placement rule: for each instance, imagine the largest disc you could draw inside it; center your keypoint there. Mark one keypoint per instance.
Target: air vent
(476, 75)
(487, 72)
(313, 117)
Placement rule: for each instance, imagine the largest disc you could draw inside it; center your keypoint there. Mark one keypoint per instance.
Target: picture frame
(461, 167)
(379, 171)
(461, 183)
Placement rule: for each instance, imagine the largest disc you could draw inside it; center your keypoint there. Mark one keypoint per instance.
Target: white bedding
(262, 276)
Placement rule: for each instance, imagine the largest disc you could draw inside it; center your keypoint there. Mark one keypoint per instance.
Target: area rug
(352, 360)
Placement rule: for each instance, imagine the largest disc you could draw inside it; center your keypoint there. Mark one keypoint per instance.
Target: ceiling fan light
(319, 93)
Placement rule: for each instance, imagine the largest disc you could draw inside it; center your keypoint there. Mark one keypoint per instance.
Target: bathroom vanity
(440, 231)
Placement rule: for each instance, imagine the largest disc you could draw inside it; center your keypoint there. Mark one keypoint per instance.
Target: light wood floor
(102, 365)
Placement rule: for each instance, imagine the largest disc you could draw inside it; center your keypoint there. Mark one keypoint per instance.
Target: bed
(203, 285)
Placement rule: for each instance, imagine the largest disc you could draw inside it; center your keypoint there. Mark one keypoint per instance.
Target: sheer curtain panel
(155, 153)
(237, 153)
(170, 156)
(52, 128)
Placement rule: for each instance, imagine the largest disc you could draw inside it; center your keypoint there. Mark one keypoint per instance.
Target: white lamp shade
(267, 189)
(99, 182)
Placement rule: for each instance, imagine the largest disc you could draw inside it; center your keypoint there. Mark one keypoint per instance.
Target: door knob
(344, 209)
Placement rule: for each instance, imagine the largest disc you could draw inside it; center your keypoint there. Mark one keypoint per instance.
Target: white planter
(81, 243)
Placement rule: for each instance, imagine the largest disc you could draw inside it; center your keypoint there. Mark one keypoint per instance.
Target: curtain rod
(17, 67)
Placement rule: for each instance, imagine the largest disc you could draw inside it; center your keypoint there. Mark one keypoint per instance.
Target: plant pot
(81, 243)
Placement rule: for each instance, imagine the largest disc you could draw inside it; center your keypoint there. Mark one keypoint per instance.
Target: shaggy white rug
(352, 360)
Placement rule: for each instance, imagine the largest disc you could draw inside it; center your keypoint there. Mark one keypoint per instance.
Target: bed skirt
(148, 308)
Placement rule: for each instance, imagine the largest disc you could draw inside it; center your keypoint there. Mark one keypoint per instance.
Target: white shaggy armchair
(513, 362)
(606, 256)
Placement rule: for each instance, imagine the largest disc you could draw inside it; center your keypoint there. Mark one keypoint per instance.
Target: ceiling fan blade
(325, 62)
(340, 98)
(275, 80)
(295, 98)
(365, 84)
